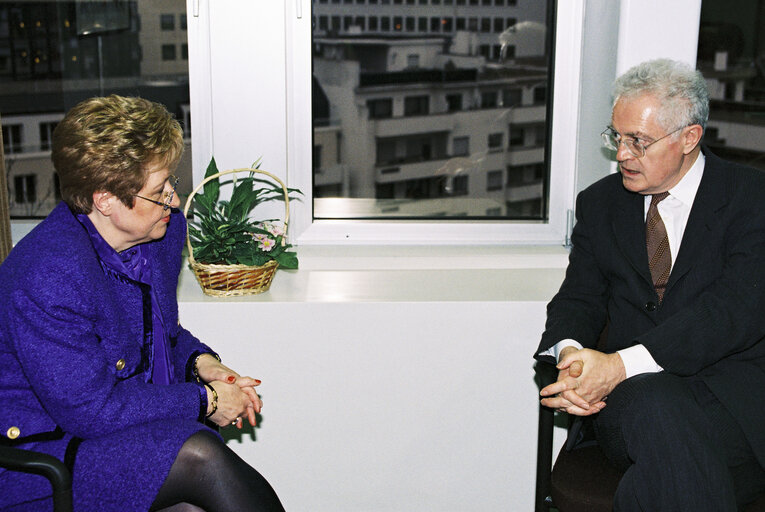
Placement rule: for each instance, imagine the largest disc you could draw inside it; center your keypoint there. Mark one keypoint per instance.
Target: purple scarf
(133, 265)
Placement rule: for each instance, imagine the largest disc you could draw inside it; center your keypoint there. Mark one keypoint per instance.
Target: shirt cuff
(638, 360)
(556, 349)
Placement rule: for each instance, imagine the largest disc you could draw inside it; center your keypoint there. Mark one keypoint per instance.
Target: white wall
(416, 396)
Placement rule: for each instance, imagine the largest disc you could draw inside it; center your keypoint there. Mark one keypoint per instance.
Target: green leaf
(287, 260)
(243, 199)
(212, 187)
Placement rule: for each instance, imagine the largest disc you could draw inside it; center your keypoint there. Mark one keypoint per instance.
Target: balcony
(523, 155)
(524, 191)
(415, 168)
(430, 123)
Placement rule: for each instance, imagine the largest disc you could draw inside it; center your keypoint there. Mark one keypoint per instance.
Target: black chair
(581, 480)
(17, 459)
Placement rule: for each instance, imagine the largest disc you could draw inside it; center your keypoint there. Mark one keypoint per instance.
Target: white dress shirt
(674, 210)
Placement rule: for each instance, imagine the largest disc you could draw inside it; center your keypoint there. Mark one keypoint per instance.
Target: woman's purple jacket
(72, 344)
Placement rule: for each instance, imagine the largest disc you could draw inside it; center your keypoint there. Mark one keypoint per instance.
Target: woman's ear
(102, 201)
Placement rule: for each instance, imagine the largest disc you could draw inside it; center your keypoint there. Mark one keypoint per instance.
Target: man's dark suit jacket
(712, 320)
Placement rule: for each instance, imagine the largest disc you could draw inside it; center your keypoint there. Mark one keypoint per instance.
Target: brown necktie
(657, 245)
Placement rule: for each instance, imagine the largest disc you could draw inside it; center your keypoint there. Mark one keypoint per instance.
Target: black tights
(207, 474)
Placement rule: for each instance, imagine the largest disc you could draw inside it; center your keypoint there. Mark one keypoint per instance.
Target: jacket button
(120, 364)
(13, 432)
(650, 306)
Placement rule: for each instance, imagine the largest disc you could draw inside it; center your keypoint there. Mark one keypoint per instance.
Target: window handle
(299, 8)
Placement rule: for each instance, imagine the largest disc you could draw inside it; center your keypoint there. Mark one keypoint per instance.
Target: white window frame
(237, 54)
(565, 117)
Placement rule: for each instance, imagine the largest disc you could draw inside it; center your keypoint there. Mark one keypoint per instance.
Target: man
(675, 395)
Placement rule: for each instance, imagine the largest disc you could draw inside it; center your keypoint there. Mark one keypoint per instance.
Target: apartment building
(54, 54)
(430, 116)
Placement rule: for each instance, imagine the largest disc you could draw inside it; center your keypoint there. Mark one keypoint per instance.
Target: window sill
(409, 274)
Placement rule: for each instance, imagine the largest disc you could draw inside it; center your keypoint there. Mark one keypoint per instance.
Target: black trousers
(679, 446)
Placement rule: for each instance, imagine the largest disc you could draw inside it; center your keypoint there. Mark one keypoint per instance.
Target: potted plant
(230, 252)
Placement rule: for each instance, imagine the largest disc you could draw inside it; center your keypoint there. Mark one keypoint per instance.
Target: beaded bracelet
(194, 368)
(214, 401)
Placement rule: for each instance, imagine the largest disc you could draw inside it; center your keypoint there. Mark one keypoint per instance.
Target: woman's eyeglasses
(173, 181)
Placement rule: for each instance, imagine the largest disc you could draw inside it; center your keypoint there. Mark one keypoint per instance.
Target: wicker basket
(232, 280)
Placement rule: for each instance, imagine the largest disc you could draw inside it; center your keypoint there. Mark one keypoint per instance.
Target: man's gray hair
(681, 90)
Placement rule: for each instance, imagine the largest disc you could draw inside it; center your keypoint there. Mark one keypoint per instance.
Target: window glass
(433, 106)
(730, 55)
(67, 51)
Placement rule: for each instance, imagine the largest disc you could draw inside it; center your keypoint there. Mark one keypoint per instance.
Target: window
(511, 97)
(12, 142)
(372, 24)
(46, 134)
(461, 146)
(495, 141)
(459, 186)
(435, 24)
(494, 180)
(410, 24)
(25, 188)
(727, 47)
(167, 21)
(489, 99)
(516, 136)
(380, 108)
(168, 52)
(412, 61)
(454, 102)
(58, 65)
(540, 95)
(416, 105)
(399, 83)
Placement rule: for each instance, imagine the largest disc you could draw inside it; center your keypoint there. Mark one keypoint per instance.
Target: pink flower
(265, 243)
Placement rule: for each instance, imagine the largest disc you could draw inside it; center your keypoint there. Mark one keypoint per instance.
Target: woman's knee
(200, 448)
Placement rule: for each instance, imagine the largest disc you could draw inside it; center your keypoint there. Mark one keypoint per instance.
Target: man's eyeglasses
(612, 139)
(168, 196)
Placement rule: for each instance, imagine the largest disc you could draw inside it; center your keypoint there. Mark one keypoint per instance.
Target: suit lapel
(711, 196)
(628, 226)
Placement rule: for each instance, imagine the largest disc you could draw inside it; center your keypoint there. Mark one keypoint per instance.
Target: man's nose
(622, 153)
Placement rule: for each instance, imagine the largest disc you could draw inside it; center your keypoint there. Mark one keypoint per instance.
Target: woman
(95, 367)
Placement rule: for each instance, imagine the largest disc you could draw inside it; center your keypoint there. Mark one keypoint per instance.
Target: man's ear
(102, 201)
(692, 137)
